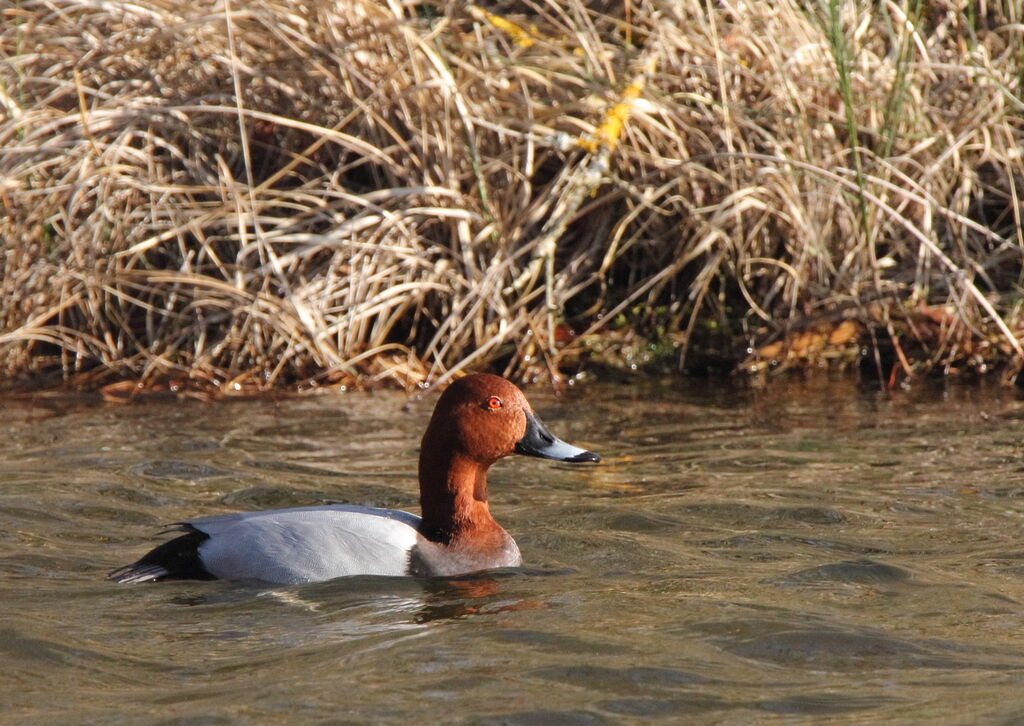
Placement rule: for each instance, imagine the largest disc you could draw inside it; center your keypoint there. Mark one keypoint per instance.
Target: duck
(478, 419)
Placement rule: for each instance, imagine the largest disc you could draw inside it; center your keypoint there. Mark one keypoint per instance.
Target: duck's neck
(453, 497)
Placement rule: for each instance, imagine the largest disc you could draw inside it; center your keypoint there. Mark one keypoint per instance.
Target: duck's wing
(284, 546)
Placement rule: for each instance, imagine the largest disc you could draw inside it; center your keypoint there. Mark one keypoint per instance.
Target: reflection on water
(808, 553)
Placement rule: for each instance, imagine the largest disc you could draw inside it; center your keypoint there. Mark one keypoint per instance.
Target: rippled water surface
(810, 553)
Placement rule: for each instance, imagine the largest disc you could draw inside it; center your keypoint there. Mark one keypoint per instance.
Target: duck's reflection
(398, 602)
(479, 594)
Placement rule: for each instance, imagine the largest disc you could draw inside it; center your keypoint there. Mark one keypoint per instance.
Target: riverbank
(354, 193)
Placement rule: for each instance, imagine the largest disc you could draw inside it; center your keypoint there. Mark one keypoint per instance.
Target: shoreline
(405, 195)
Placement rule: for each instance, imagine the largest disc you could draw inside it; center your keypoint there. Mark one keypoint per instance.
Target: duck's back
(287, 546)
(307, 544)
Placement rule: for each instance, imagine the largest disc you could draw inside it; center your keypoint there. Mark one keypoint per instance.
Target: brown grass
(276, 192)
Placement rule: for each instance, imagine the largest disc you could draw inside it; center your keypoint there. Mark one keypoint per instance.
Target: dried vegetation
(241, 196)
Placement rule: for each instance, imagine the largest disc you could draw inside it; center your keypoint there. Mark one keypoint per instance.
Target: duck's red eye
(493, 403)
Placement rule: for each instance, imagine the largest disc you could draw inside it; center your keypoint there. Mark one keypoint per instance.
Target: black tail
(177, 559)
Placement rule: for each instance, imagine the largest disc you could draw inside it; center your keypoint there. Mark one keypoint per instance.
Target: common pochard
(477, 420)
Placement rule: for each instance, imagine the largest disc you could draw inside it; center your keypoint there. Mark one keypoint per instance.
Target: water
(812, 553)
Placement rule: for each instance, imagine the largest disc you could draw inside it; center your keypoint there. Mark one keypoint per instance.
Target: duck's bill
(538, 441)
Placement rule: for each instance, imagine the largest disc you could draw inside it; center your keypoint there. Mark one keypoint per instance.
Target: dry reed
(262, 193)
